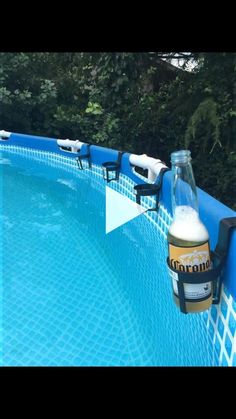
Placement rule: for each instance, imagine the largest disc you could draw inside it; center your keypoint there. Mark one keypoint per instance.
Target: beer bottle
(188, 238)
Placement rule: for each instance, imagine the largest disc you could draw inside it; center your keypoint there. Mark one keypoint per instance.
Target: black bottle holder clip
(213, 275)
(153, 189)
(85, 156)
(111, 169)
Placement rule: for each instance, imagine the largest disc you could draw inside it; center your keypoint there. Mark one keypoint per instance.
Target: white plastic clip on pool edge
(4, 134)
(75, 145)
(154, 166)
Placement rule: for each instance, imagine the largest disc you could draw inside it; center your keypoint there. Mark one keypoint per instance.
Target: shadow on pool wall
(211, 212)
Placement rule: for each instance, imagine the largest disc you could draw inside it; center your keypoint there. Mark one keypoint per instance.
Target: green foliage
(206, 113)
(130, 101)
(94, 108)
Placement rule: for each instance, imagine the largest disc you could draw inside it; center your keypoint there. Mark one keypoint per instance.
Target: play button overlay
(120, 209)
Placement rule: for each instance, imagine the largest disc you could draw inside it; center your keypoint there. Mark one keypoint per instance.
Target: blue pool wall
(219, 320)
(211, 210)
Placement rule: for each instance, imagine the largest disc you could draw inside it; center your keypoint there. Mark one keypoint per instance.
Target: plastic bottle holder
(153, 189)
(213, 275)
(147, 190)
(111, 169)
(85, 156)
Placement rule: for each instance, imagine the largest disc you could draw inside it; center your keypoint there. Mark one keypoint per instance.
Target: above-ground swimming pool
(73, 295)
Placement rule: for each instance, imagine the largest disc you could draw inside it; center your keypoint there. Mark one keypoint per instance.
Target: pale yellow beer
(190, 253)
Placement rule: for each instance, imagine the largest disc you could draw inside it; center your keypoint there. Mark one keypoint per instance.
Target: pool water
(72, 295)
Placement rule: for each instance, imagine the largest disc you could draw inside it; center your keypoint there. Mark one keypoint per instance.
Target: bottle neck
(184, 192)
(186, 225)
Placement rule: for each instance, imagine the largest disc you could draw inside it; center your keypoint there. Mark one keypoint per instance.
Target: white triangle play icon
(120, 209)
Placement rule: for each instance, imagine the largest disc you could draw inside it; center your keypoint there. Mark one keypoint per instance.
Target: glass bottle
(188, 238)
